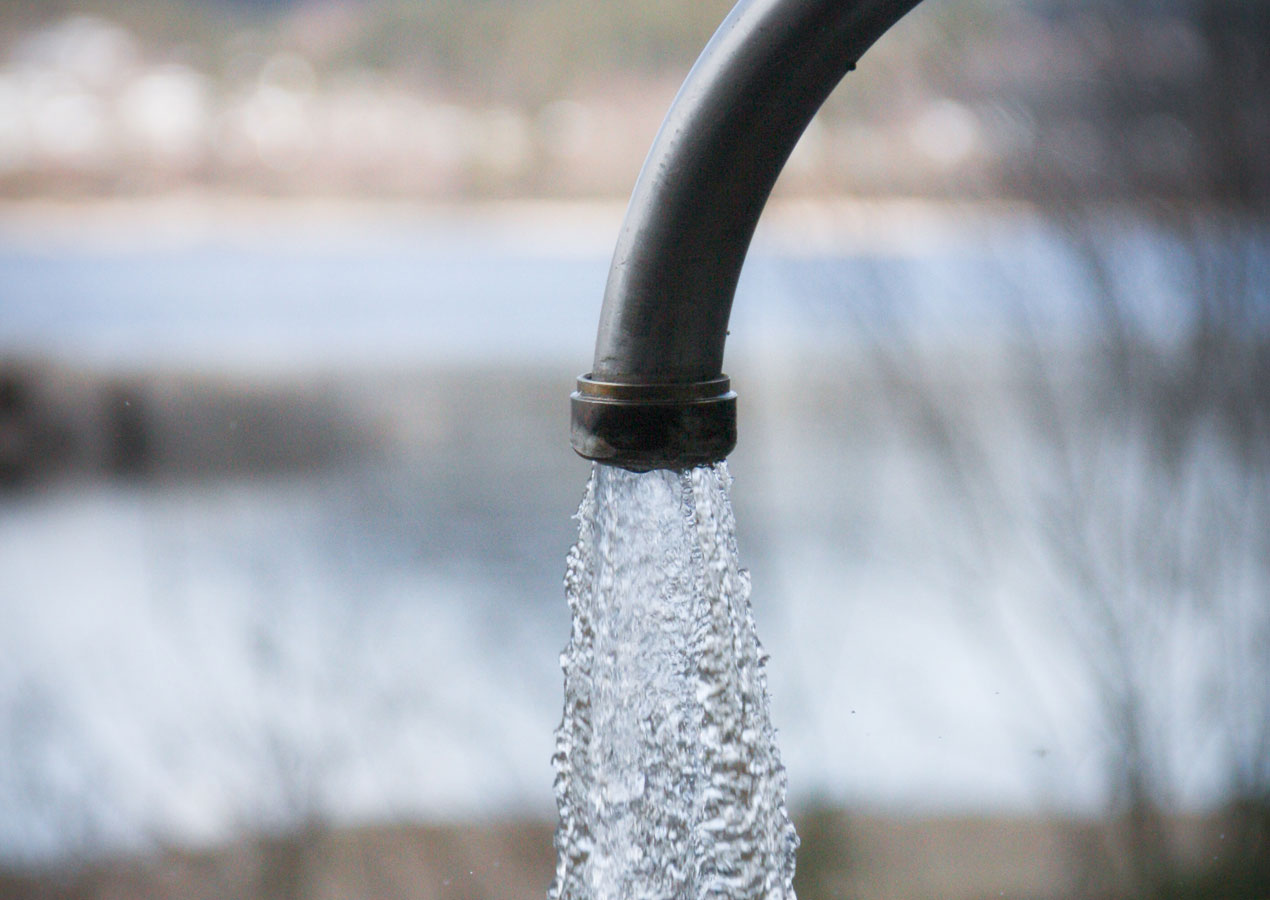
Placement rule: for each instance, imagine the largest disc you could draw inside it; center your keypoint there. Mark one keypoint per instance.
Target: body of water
(186, 657)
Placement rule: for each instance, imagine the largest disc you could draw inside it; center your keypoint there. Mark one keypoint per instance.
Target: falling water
(668, 779)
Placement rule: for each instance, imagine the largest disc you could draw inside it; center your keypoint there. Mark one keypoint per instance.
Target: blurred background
(292, 296)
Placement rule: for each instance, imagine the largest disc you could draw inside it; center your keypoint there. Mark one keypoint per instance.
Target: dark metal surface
(654, 426)
(732, 126)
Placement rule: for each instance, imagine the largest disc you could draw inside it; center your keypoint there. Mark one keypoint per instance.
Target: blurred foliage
(1242, 872)
(825, 864)
(177, 25)
(529, 51)
(512, 50)
(964, 99)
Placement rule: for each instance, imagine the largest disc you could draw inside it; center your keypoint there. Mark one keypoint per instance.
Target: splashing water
(668, 779)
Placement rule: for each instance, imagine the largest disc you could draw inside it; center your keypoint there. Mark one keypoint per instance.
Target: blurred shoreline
(196, 214)
(869, 855)
(831, 224)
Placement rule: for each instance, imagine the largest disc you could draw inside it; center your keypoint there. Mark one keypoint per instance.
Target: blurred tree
(1135, 479)
(1135, 471)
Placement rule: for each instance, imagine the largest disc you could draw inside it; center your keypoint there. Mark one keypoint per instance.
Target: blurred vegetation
(844, 856)
(509, 50)
(964, 99)
(531, 52)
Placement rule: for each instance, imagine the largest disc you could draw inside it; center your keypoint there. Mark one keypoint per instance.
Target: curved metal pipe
(656, 396)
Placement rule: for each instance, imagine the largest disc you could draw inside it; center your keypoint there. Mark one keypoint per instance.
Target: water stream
(668, 780)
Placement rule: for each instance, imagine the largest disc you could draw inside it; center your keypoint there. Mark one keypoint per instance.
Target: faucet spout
(656, 397)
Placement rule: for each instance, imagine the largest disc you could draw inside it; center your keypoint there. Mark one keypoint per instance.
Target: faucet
(656, 396)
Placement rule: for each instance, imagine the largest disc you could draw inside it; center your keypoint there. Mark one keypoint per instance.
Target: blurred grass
(844, 856)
